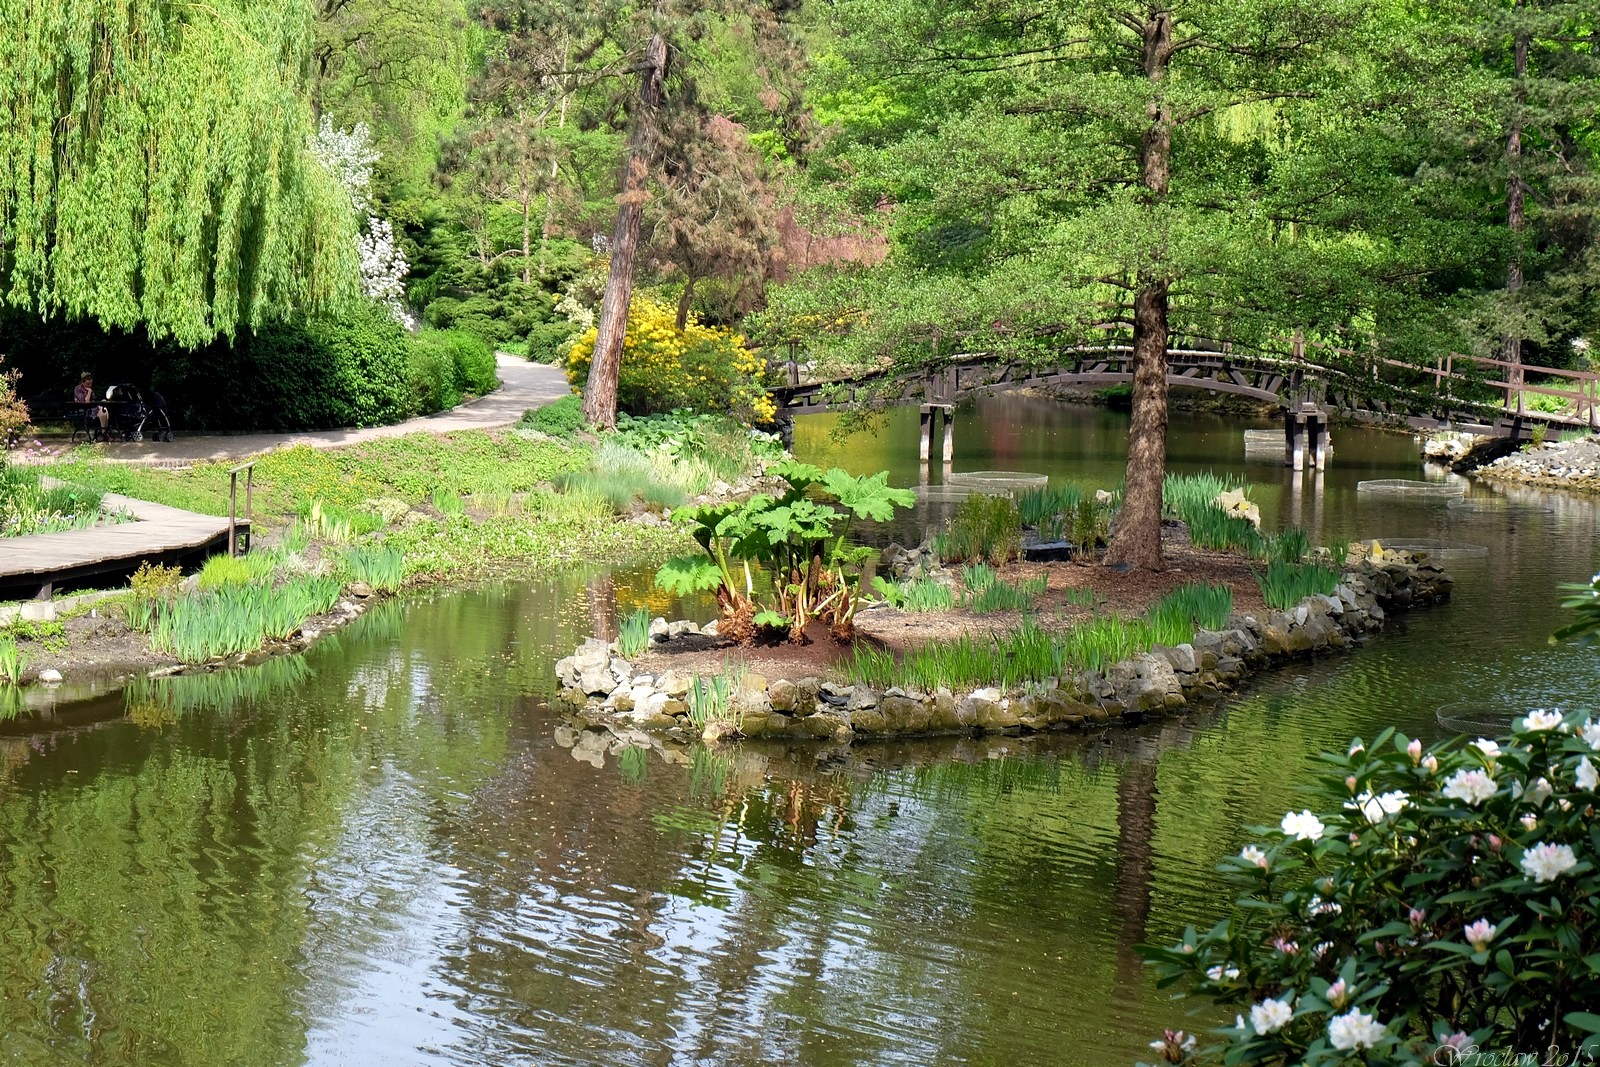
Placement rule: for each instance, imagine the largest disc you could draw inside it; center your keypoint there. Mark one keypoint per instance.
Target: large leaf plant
(797, 542)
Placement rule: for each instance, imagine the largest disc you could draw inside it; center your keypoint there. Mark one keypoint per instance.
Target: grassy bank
(420, 508)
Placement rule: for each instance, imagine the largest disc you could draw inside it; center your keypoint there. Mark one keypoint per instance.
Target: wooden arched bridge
(1466, 393)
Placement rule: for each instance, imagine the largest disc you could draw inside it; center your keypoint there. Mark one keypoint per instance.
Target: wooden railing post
(249, 470)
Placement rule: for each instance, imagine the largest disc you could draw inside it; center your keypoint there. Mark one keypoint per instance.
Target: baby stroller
(132, 415)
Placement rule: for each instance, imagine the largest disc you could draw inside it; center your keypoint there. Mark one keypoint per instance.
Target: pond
(389, 850)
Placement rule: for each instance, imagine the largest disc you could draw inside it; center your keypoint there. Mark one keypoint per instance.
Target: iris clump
(987, 593)
(381, 567)
(633, 633)
(985, 529)
(1283, 585)
(232, 619)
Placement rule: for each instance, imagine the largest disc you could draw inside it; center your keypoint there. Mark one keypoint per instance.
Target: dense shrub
(1435, 905)
(561, 418)
(431, 374)
(698, 368)
(547, 342)
(297, 376)
(445, 365)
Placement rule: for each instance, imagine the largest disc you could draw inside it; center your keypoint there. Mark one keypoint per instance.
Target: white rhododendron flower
(1219, 972)
(1375, 807)
(1472, 786)
(1490, 749)
(1540, 719)
(1252, 854)
(1591, 733)
(1354, 1029)
(1587, 777)
(1271, 1015)
(1479, 934)
(1302, 826)
(1430, 763)
(1545, 862)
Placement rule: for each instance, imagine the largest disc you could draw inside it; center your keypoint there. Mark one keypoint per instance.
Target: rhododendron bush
(1440, 907)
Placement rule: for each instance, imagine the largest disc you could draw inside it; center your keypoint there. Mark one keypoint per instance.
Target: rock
(652, 704)
(974, 710)
(681, 627)
(781, 695)
(1103, 496)
(1183, 658)
(718, 731)
(359, 589)
(674, 683)
(709, 629)
(623, 702)
(50, 676)
(659, 629)
(1235, 503)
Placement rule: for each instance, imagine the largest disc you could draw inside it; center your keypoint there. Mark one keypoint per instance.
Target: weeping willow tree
(154, 168)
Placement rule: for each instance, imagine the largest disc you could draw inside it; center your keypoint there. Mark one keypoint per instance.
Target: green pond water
(390, 851)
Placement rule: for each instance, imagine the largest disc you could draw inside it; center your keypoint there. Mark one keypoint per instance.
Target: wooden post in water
(926, 419)
(949, 436)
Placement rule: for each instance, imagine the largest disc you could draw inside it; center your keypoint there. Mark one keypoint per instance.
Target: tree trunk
(527, 235)
(1516, 217)
(685, 302)
(600, 393)
(1136, 536)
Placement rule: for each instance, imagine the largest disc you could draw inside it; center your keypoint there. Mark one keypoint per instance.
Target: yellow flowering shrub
(701, 368)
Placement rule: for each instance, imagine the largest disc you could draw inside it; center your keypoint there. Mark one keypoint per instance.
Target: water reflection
(392, 850)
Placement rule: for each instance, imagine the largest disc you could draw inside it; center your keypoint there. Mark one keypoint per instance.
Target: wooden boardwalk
(32, 566)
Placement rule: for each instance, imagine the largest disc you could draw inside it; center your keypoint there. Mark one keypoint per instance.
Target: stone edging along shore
(602, 690)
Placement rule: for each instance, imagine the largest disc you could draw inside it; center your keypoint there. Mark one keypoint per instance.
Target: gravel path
(523, 385)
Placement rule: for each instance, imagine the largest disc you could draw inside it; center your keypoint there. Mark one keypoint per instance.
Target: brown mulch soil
(1122, 593)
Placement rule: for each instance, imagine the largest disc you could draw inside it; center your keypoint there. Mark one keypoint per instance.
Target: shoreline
(603, 692)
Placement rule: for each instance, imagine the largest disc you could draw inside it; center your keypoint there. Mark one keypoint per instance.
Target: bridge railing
(940, 383)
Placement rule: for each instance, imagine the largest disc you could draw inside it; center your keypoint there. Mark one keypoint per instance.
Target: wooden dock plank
(156, 532)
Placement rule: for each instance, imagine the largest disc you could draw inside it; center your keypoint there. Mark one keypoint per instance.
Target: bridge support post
(932, 413)
(1306, 437)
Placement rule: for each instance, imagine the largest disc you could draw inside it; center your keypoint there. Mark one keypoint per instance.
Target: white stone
(50, 676)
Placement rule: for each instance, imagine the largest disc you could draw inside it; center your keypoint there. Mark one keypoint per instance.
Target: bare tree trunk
(1136, 537)
(685, 302)
(555, 169)
(1516, 217)
(600, 393)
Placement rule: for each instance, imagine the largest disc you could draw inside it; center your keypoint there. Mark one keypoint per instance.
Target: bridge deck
(33, 565)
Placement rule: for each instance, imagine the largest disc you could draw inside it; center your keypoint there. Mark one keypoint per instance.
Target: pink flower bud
(1414, 750)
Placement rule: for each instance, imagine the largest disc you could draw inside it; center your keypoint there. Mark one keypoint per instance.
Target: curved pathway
(523, 385)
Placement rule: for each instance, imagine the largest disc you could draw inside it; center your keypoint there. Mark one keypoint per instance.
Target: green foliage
(1183, 495)
(239, 618)
(983, 528)
(27, 506)
(224, 570)
(13, 661)
(548, 342)
(1292, 545)
(448, 503)
(1037, 507)
(915, 594)
(560, 418)
(1283, 585)
(1424, 899)
(1585, 602)
(1199, 605)
(302, 374)
(710, 698)
(987, 594)
(445, 365)
(167, 181)
(383, 567)
(633, 633)
(797, 540)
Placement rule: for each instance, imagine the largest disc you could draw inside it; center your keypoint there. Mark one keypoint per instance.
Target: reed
(1283, 585)
(633, 633)
(983, 528)
(234, 619)
(381, 567)
(710, 697)
(1038, 506)
(13, 661)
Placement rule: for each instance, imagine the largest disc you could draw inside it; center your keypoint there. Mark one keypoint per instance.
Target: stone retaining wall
(603, 690)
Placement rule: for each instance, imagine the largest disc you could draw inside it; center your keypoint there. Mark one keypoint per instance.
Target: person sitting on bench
(84, 395)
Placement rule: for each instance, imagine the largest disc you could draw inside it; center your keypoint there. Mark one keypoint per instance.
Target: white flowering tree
(349, 155)
(1442, 908)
